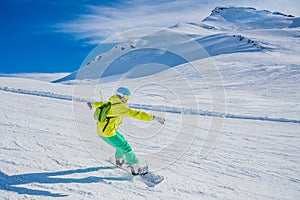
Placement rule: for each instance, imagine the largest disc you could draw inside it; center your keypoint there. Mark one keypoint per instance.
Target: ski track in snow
(153, 107)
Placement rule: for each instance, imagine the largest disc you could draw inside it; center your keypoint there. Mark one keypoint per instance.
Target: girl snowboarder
(108, 129)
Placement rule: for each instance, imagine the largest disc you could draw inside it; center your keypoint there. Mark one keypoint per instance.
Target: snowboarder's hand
(90, 105)
(159, 119)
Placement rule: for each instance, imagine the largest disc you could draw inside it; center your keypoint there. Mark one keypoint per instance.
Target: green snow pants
(122, 148)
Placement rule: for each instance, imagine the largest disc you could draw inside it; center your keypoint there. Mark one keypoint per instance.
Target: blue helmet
(123, 92)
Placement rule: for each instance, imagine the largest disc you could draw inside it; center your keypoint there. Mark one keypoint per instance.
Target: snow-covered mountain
(228, 88)
(240, 18)
(225, 31)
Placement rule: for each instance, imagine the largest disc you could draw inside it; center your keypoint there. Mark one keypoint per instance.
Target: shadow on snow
(9, 183)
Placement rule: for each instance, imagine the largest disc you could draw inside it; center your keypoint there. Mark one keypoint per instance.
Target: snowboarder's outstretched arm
(97, 104)
(123, 110)
(137, 114)
(94, 105)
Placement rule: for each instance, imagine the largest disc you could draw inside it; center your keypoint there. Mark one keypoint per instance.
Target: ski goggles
(126, 96)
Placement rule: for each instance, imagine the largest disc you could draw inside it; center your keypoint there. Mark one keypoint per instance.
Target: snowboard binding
(136, 170)
(120, 162)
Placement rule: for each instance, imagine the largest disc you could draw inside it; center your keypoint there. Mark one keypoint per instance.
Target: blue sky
(30, 41)
(57, 35)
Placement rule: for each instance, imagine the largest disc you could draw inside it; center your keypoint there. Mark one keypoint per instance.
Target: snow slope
(232, 129)
(240, 18)
(38, 76)
(42, 156)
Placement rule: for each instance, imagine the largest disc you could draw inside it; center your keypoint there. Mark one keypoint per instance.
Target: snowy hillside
(228, 88)
(38, 76)
(239, 18)
(225, 31)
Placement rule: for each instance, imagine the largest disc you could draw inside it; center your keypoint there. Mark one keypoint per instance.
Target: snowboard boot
(120, 162)
(137, 170)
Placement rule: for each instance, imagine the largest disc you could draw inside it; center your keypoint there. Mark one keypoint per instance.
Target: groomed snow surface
(43, 156)
(233, 138)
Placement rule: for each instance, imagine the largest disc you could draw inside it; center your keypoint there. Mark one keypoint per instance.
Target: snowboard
(150, 179)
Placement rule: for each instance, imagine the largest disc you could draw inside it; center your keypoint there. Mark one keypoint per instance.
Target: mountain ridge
(223, 32)
(246, 18)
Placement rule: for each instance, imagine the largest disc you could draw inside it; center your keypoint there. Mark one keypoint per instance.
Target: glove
(89, 105)
(159, 119)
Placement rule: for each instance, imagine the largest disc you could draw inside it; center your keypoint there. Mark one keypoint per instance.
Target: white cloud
(105, 21)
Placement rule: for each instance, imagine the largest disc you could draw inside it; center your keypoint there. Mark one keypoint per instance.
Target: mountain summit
(246, 18)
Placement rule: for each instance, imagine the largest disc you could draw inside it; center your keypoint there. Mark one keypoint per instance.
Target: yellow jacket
(115, 115)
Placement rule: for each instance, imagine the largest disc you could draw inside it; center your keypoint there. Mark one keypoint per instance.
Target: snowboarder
(108, 130)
